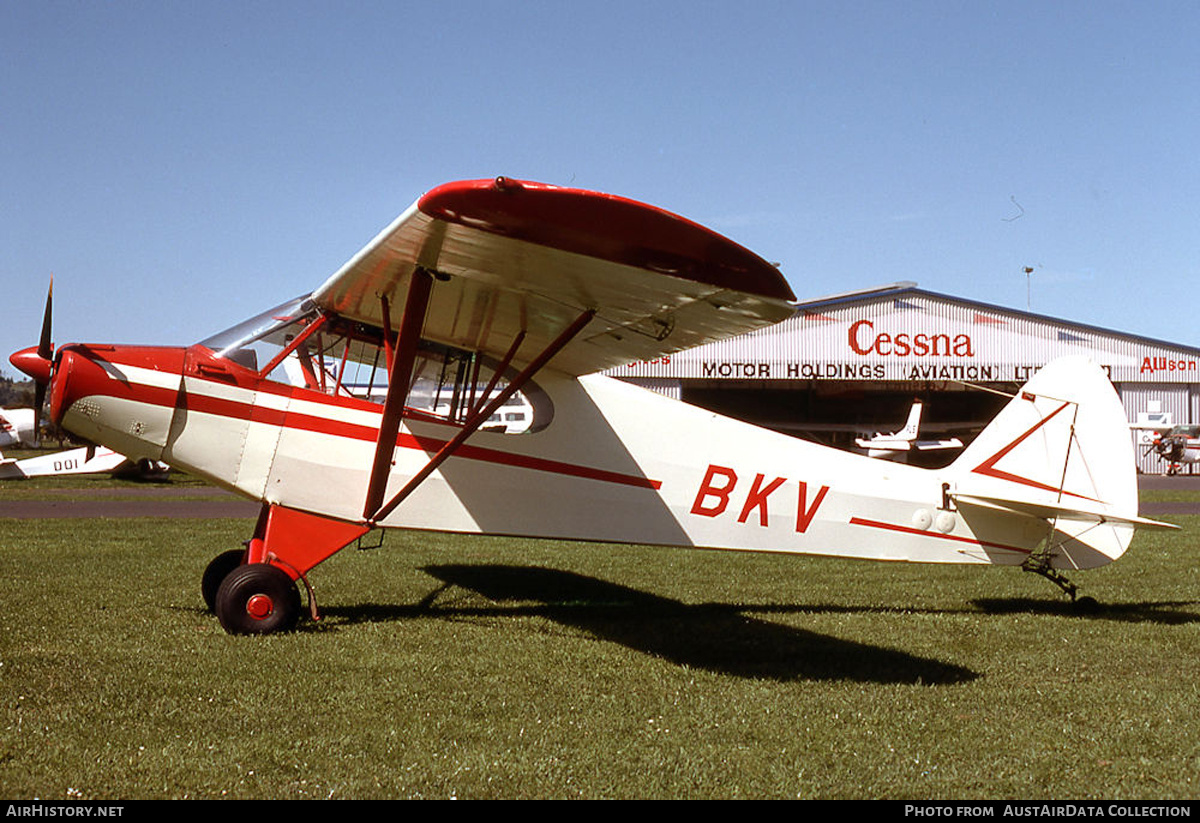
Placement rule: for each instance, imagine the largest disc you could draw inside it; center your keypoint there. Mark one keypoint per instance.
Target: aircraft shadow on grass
(1164, 613)
(714, 637)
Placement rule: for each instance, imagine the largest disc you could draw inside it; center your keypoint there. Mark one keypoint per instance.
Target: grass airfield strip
(452, 666)
(87, 496)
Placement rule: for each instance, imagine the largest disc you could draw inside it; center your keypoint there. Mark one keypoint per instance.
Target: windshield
(266, 327)
(295, 343)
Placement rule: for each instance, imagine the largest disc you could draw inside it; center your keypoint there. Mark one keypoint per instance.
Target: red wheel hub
(260, 606)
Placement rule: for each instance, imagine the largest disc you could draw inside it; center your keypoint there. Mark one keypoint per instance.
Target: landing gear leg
(256, 591)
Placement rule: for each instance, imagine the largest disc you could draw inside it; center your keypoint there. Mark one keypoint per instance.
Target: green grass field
(468, 667)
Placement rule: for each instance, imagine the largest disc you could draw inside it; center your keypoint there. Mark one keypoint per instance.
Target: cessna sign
(915, 336)
(865, 340)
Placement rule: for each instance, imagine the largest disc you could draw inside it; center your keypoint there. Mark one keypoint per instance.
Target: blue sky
(179, 166)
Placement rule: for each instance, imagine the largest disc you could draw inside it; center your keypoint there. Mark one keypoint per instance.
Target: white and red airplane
(483, 289)
(1177, 445)
(898, 445)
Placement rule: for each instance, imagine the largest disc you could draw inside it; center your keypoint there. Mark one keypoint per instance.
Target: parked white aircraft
(18, 427)
(898, 445)
(525, 287)
(1175, 445)
(82, 460)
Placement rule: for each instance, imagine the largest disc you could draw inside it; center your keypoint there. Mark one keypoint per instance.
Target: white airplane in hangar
(899, 445)
(516, 286)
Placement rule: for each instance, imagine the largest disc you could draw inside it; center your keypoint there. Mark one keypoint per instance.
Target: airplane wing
(509, 256)
(938, 445)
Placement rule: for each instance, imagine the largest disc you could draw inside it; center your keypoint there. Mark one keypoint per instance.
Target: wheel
(216, 572)
(257, 598)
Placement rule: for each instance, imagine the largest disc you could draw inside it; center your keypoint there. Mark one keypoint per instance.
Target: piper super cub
(484, 291)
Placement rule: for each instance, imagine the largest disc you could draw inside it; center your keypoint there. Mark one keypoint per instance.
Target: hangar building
(852, 364)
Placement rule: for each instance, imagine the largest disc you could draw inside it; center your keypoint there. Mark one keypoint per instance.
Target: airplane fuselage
(614, 463)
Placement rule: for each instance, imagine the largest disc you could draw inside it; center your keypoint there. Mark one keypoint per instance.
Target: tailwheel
(1040, 565)
(216, 572)
(257, 598)
(1054, 576)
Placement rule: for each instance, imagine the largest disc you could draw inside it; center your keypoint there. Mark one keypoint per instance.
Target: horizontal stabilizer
(1049, 511)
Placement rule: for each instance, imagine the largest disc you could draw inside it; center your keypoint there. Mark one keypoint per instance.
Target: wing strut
(399, 377)
(512, 351)
(479, 416)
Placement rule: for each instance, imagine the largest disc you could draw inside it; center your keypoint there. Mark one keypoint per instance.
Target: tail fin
(914, 422)
(1059, 451)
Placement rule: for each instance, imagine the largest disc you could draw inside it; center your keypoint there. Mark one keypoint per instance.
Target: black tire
(257, 598)
(217, 571)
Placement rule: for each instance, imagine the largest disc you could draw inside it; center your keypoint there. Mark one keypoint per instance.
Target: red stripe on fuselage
(912, 530)
(299, 421)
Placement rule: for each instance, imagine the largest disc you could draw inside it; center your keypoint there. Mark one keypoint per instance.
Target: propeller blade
(45, 351)
(45, 348)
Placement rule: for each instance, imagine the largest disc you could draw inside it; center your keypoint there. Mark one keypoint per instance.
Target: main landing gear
(258, 599)
(254, 598)
(217, 571)
(254, 590)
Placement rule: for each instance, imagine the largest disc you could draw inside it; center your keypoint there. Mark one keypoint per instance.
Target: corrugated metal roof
(903, 287)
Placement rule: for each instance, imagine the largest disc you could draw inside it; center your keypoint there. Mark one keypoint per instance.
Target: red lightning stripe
(988, 467)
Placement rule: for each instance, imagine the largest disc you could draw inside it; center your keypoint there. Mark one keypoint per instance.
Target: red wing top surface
(512, 256)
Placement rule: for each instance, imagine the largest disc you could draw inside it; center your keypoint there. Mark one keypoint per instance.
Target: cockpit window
(295, 343)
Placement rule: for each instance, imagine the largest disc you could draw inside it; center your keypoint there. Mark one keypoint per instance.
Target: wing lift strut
(399, 378)
(295, 541)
